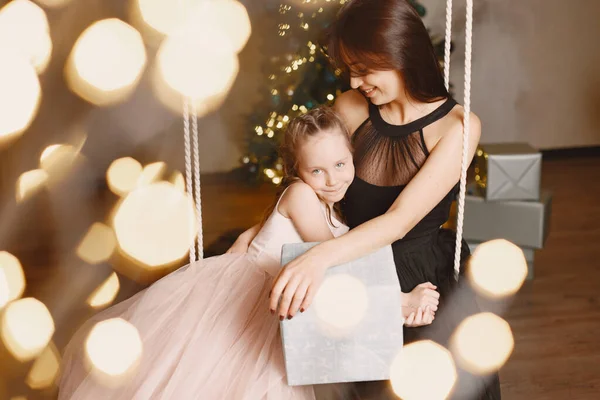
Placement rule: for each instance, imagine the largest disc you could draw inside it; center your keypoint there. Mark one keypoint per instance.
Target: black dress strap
(387, 129)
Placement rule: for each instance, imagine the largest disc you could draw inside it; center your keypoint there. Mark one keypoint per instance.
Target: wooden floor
(555, 318)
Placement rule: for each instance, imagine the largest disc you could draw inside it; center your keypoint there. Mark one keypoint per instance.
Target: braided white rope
(197, 183)
(447, 41)
(465, 147)
(188, 168)
(192, 179)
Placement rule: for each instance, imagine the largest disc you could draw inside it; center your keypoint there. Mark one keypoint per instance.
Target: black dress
(386, 158)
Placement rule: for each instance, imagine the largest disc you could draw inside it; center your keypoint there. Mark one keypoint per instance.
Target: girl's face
(325, 164)
(380, 87)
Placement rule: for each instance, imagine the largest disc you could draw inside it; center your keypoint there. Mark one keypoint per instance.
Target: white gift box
(353, 330)
(509, 171)
(525, 223)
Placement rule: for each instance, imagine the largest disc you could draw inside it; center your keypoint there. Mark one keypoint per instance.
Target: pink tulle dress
(206, 331)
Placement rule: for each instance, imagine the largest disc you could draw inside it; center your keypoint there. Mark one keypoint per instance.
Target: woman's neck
(404, 110)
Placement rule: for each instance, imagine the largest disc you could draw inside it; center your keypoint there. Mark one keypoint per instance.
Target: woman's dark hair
(386, 35)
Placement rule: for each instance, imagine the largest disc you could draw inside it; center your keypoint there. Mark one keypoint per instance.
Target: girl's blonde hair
(318, 121)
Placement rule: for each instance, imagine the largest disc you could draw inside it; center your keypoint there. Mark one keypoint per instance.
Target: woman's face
(380, 87)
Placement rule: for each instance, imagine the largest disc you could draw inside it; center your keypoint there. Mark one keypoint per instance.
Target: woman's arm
(435, 179)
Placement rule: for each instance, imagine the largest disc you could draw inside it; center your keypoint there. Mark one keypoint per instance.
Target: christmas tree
(300, 77)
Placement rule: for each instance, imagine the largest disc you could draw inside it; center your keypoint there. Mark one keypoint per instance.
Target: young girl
(206, 330)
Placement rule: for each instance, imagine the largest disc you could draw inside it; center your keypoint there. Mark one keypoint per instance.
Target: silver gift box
(524, 223)
(353, 329)
(527, 252)
(509, 171)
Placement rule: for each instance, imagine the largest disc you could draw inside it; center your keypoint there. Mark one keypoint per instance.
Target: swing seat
(353, 330)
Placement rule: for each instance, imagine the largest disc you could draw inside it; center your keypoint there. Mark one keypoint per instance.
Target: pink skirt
(206, 333)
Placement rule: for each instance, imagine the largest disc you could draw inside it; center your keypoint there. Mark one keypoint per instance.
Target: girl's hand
(243, 241)
(240, 245)
(420, 318)
(296, 285)
(422, 296)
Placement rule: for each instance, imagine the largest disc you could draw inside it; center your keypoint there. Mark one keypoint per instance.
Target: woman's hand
(420, 317)
(421, 297)
(296, 285)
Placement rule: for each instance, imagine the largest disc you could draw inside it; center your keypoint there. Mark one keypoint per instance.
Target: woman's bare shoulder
(452, 126)
(353, 107)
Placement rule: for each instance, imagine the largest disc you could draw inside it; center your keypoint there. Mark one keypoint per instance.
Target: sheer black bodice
(386, 158)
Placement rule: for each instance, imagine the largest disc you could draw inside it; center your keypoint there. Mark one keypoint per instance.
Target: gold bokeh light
(24, 29)
(113, 347)
(228, 18)
(417, 366)
(58, 159)
(105, 293)
(54, 3)
(29, 183)
(12, 278)
(20, 95)
(107, 62)
(123, 175)
(201, 66)
(178, 180)
(45, 369)
(341, 303)
(483, 343)
(151, 173)
(27, 327)
(97, 245)
(497, 268)
(154, 224)
(163, 16)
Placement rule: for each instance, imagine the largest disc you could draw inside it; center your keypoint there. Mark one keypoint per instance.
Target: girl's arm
(301, 204)
(303, 207)
(243, 241)
(435, 179)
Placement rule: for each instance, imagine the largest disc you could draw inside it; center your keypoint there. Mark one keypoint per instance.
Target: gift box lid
(508, 148)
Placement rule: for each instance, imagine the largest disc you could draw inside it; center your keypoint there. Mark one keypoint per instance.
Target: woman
(407, 134)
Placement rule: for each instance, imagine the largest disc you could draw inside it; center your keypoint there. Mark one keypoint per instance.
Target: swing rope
(190, 143)
(188, 167)
(197, 196)
(466, 119)
(192, 179)
(447, 42)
